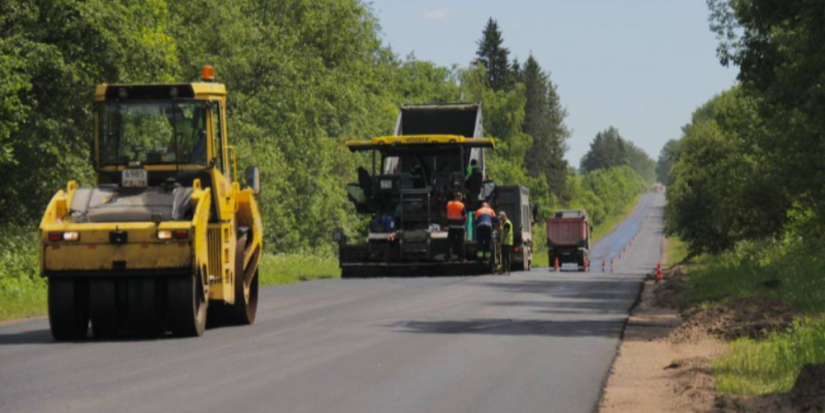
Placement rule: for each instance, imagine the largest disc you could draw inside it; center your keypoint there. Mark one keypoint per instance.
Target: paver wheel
(68, 308)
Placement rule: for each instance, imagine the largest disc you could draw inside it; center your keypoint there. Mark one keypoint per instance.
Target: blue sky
(642, 66)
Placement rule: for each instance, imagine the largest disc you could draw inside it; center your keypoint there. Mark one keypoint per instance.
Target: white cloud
(436, 14)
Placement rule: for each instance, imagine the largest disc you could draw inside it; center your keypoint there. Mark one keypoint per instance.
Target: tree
(606, 151)
(778, 48)
(641, 162)
(544, 121)
(722, 190)
(494, 56)
(609, 150)
(668, 156)
(53, 53)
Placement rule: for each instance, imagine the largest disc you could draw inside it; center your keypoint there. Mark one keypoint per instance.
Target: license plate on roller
(134, 178)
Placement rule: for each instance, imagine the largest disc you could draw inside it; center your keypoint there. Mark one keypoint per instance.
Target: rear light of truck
(70, 236)
(167, 234)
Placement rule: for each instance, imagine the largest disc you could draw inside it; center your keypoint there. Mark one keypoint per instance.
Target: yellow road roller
(167, 237)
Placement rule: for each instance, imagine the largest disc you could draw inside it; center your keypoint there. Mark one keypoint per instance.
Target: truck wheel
(68, 308)
(187, 306)
(146, 307)
(103, 308)
(246, 292)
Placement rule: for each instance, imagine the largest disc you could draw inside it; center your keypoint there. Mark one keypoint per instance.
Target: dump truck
(568, 240)
(436, 151)
(166, 237)
(515, 202)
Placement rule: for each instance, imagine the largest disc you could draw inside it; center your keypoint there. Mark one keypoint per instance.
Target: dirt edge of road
(663, 363)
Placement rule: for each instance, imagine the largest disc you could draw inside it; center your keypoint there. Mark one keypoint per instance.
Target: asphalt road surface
(532, 342)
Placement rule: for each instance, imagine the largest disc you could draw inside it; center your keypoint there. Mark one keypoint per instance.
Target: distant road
(533, 342)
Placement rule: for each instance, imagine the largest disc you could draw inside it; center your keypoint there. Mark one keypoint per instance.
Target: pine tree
(494, 56)
(607, 150)
(515, 71)
(544, 121)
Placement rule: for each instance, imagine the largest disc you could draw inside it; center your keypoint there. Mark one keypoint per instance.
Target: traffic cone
(659, 277)
(604, 264)
(611, 265)
(556, 264)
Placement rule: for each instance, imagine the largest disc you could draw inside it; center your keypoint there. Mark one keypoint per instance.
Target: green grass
(21, 298)
(792, 271)
(22, 291)
(289, 268)
(770, 365)
(749, 270)
(676, 251)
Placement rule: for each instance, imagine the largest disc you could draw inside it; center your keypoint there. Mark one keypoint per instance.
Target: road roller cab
(166, 234)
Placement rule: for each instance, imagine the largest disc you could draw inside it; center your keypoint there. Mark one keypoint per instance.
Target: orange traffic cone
(556, 264)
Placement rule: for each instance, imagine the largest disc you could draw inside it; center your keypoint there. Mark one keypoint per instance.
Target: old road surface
(533, 342)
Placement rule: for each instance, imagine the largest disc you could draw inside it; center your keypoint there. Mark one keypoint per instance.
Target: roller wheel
(147, 307)
(186, 304)
(68, 308)
(103, 308)
(246, 291)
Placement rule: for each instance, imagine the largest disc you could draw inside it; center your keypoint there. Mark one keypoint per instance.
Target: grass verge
(788, 270)
(289, 268)
(676, 251)
(770, 365)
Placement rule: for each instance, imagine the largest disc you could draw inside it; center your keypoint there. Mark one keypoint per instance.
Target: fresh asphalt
(532, 342)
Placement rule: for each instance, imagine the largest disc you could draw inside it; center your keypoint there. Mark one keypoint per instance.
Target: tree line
(303, 76)
(749, 165)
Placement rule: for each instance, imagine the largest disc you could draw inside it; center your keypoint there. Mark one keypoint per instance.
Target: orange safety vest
(455, 211)
(485, 210)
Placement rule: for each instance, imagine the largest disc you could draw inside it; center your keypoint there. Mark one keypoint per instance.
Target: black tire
(147, 306)
(103, 308)
(246, 293)
(68, 308)
(187, 305)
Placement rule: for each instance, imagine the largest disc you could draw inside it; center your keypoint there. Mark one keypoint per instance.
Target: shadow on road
(511, 327)
(27, 337)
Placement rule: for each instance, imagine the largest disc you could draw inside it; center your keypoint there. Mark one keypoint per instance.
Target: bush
(22, 290)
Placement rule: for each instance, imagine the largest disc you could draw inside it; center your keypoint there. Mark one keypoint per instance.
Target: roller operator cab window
(152, 132)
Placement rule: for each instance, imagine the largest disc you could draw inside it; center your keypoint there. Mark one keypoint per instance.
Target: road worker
(472, 168)
(456, 217)
(485, 218)
(506, 242)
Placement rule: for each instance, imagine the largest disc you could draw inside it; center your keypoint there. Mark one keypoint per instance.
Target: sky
(642, 66)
